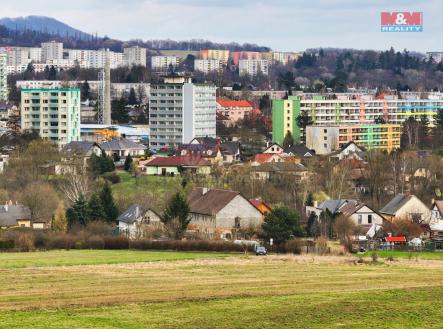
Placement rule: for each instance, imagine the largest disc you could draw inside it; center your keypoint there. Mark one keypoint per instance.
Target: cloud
(280, 24)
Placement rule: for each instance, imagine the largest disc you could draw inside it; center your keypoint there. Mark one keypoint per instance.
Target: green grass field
(203, 290)
(157, 185)
(405, 254)
(94, 257)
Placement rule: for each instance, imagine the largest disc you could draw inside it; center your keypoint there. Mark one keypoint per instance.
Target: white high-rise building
(253, 67)
(96, 59)
(3, 78)
(54, 113)
(208, 65)
(52, 51)
(162, 63)
(135, 56)
(181, 111)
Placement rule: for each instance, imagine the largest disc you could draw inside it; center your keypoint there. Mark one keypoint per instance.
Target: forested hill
(31, 31)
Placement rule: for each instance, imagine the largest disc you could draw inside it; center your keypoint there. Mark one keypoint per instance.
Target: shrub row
(188, 245)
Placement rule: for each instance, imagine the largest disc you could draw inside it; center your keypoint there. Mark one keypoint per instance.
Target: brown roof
(209, 201)
(351, 207)
(175, 161)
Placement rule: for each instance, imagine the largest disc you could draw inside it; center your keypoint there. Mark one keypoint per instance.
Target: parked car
(261, 251)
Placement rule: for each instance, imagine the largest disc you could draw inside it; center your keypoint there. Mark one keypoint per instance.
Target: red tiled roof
(174, 161)
(231, 103)
(262, 157)
(395, 239)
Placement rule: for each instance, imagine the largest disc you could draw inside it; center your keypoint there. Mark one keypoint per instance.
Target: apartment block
(327, 139)
(135, 56)
(96, 59)
(253, 67)
(215, 54)
(349, 109)
(284, 57)
(208, 65)
(437, 56)
(54, 113)
(163, 63)
(3, 78)
(180, 111)
(51, 51)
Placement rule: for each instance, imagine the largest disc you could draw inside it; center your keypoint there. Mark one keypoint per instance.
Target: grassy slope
(94, 257)
(157, 185)
(234, 292)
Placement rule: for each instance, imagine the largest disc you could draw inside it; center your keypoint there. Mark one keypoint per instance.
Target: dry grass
(119, 284)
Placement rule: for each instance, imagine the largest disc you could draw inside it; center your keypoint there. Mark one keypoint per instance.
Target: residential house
(221, 213)
(437, 222)
(407, 206)
(261, 158)
(349, 150)
(175, 165)
(278, 170)
(121, 148)
(4, 159)
(298, 150)
(274, 148)
(333, 206)
(210, 152)
(77, 154)
(234, 111)
(17, 215)
(230, 150)
(361, 213)
(136, 220)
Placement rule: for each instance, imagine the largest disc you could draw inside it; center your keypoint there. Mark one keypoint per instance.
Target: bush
(25, 242)
(62, 241)
(7, 244)
(95, 242)
(113, 178)
(98, 228)
(293, 247)
(374, 257)
(116, 242)
(188, 245)
(40, 240)
(322, 245)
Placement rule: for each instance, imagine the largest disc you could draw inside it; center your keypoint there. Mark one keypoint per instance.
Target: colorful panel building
(349, 109)
(326, 139)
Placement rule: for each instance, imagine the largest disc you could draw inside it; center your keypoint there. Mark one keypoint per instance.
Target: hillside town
(361, 166)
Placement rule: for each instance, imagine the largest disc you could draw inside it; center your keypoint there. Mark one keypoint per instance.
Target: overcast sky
(279, 24)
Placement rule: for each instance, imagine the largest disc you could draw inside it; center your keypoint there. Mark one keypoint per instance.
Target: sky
(286, 25)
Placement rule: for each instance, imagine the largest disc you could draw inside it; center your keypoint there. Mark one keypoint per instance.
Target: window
(237, 222)
(360, 219)
(369, 219)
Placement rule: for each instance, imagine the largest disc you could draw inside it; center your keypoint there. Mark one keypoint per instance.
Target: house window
(360, 219)
(369, 219)
(237, 222)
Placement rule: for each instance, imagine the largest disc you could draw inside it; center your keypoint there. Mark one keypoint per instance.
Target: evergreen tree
(281, 224)
(176, 216)
(313, 225)
(96, 209)
(128, 162)
(309, 200)
(101, 164)
(107, 201)
(78, 213)
(85, 91)
(288, 141)
(132, 99)
(304, 120)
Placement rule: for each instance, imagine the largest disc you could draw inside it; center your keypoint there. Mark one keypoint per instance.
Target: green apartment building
(54, 113)
(284, 116)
